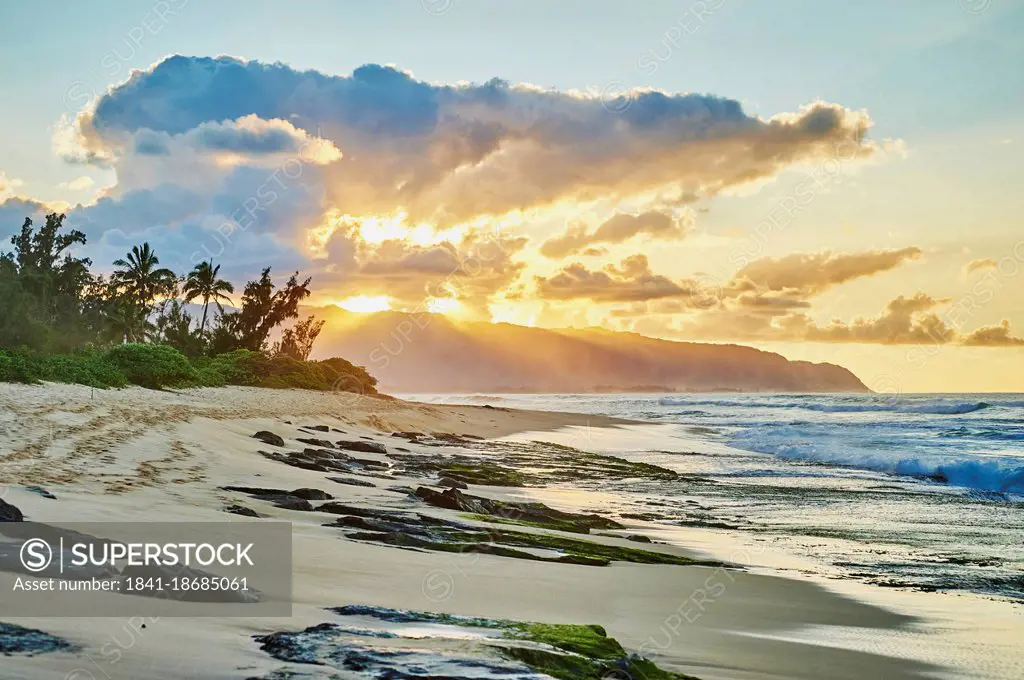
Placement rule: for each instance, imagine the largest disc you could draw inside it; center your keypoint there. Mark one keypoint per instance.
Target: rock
(370, 463)
(281, 498)
(17, 640)
(317, 428)
(521, 513)
(450, 483)
(319, 460)
(269, 438)
(364, 446)
(638, 538)
(10, 513)
(450, 501)
(336, 508)
(241, 510)
(322, 443)
(312, 494)
(290, 503)
(370, 524)
(41, 491)
(352, 481)
(256, 490)
(407, 490)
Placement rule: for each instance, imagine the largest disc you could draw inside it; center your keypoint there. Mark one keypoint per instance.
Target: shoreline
(154, 456)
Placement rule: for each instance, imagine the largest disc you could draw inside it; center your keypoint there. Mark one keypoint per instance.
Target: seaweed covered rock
(15, 639)
(525, 650)
(530, 514)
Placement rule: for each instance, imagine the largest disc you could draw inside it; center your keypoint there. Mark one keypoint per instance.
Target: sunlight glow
(443, 305)
(383, 228)
(518, 314)
(366, 303)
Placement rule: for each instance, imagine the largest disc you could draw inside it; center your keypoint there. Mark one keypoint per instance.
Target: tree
(174, 327)
(202, 282)
(297, 341)
(125, 321)
(141, 277)
(263, 308)
(42, 285)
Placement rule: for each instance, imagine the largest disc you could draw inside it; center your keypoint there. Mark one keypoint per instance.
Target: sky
(834, 182)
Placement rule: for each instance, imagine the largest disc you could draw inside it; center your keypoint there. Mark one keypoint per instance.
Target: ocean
(923, 492)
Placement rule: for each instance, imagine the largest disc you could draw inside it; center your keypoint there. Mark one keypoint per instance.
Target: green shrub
(14, 368)
(82, 368)
(344, 376)
(240, 367)
(158, 366)
(153, 366)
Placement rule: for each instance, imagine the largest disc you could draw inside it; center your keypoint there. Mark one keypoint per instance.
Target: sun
(366, 303)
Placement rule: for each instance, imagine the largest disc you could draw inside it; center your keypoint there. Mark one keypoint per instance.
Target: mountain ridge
(422, 352)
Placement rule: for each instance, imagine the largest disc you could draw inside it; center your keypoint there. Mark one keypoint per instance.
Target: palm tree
(141, 276)
(126, 322)
(202, 282)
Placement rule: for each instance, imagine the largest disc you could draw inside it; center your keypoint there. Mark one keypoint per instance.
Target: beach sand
(143, 455)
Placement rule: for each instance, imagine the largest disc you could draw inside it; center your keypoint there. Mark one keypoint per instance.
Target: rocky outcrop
(364, 446)
(10, 513)
(529, 514)
(269, 438)
(15, 639)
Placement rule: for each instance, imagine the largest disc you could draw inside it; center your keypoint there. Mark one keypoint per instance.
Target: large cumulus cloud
(458, 151)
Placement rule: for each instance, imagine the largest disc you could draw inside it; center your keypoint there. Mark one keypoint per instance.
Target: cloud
(13, 212)
(979, 265)
(631, 281)
(247, 137)
(454, 152)
(905, 320)
(768, 286)
(617, 229)
(993, 336)
(78, 184)
(803, 275)
(8, 186)
(471, 269)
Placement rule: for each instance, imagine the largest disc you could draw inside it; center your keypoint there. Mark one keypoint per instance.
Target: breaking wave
(1005, 475)
(892, 406)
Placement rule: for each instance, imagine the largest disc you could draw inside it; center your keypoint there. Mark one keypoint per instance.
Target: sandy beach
(159, 456)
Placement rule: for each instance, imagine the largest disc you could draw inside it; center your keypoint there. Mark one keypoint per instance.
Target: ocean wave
(890, 406)
(933, 408)
(1005, 476)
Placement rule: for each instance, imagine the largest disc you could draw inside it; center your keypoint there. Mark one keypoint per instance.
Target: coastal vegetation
(62, 322)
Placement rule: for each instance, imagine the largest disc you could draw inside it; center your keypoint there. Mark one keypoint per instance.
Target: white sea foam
(893, 405)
